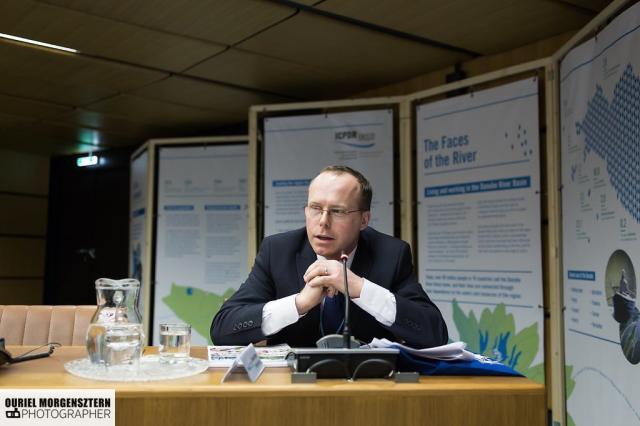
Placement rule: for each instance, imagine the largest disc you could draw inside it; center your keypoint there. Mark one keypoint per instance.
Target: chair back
(40, 324)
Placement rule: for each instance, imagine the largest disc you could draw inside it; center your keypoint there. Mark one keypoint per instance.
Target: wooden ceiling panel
(518, 24)
(26, 87)
(154, 68)
(30, 108)
(339, 48)
(275, 75)
(593, 5)
(219, 21)
(98, 36)
(485, 27)
(107, 122)
(21, 141)
(91, 77)
(197, 94)
(76, 134)
(8, 121)
(162, 114)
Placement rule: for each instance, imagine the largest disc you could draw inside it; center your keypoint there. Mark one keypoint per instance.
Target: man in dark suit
(294, 291)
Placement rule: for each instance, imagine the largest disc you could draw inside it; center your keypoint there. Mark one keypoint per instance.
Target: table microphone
(330, 360)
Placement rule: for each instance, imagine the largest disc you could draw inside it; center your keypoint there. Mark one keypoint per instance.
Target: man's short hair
(366, 193)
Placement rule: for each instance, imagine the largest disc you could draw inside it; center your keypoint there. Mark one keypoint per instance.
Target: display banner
(478, 193)
(296, 148)
(201, 233)
(137, 220)
(600, 128)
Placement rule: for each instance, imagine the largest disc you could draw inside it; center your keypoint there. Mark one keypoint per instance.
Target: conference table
(274, 400)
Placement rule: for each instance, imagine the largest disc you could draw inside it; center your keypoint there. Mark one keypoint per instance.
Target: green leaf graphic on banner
(535, 373)
(495, 336)
(569, 382)
(569, 385)
(467, 326)
(528, 342)
(196, 307)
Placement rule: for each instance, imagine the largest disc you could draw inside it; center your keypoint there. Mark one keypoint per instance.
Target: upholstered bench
(40, 324)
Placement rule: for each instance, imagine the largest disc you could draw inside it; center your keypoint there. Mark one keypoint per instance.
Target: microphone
(346, 332)
(7, 358)
(334, 360)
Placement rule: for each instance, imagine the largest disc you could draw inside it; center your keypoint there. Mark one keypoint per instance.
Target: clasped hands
(325, 277)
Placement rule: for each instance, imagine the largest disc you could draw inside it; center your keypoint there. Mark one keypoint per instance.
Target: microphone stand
(346, 332)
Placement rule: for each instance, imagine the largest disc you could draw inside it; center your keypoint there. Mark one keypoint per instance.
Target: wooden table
(274, 400)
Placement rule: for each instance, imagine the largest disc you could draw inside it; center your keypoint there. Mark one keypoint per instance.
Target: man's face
(329, 234)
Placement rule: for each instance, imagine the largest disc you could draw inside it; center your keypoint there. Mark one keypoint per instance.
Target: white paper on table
(271, 356)
(454, 351)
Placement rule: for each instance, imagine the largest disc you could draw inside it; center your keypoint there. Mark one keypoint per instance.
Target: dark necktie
(333, 314)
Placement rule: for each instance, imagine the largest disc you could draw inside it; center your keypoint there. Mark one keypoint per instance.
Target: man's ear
(366, 216)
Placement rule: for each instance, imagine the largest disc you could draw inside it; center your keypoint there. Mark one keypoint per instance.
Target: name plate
(247, 361)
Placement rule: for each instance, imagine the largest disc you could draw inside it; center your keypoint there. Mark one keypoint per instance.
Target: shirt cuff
(378, 302)
(278, 314)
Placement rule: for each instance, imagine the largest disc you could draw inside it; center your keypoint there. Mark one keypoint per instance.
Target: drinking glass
(175, 342)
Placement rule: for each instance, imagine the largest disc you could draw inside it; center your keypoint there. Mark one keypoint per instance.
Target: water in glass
(175, 342)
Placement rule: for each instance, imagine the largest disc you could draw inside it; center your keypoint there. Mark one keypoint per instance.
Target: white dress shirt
(374, 299)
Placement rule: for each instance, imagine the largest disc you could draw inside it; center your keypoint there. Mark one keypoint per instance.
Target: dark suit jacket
(277, 272)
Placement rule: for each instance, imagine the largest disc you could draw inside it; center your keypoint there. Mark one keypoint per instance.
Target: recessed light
(37, 43)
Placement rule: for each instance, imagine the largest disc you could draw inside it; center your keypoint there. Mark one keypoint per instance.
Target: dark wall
(88, 226)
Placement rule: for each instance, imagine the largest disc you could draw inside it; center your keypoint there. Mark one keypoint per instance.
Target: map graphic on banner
(298, 147)
(479, 235)
(137, 221)
(201, 237)
(600, 104)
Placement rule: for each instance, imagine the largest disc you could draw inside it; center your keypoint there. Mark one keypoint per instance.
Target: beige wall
(24, 188)
(474, 67)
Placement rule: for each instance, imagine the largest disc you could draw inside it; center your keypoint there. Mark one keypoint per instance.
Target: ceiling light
(37, 43)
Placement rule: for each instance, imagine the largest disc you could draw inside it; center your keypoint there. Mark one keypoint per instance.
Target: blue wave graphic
(612, 383)
(356, 145)
(612, 131)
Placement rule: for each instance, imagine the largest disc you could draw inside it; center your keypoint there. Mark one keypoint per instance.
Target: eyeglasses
(315, 212)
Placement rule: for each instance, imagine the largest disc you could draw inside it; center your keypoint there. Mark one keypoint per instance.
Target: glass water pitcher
(115, 335)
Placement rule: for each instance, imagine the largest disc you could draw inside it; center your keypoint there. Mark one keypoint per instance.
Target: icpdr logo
(355, 139)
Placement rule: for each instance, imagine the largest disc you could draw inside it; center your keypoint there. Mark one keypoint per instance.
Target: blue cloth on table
(432, 367)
